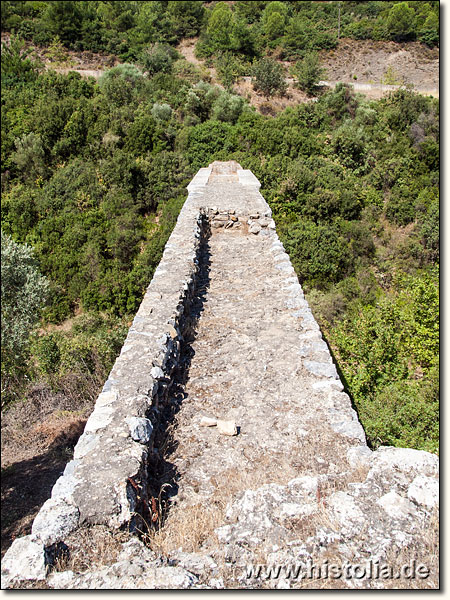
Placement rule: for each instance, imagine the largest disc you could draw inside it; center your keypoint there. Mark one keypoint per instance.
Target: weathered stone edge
(117, 439)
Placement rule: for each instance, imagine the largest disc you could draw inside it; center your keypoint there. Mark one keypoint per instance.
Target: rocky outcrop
(267, 473)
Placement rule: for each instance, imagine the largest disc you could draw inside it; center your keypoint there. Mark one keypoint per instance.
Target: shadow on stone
(163, 474)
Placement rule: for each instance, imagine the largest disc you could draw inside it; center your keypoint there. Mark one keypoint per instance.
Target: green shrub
(268, 77)
(121, 84)
(429, 230)
(161, 112)
(158, 58)
(319, 254)
(200, 100)
(17, 63)
(339, 103)
(227, 107)
(208, 142)
(350, 145)
(229, 69)
(400, 208)
(389, 355)
(23, 292)
(404, 414)
(30, 156)
(308, 73)
(47, 352)
(19, 211)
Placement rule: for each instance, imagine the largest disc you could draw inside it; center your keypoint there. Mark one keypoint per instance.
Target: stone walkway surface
(267, 462)
(249, 366)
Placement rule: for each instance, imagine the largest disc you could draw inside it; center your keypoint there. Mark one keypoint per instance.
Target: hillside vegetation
(245, 28)
(94, 174)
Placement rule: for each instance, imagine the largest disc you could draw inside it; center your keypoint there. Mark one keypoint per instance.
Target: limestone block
(345, 509)
(254, 228)
(351, 429)
(226, 427)
(424, 491)
(157, 373)
(86, 443)
(396, 506)
(406, 460)
(25, 559)
(208, 422)
(195, 563)
(99, 419)
(359, 456)
(321, 369)
(55, 521)
(64, 488)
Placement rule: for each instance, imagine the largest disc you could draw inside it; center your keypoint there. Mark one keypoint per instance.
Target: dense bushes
(23, 292)
(389, 355)
(123, 28)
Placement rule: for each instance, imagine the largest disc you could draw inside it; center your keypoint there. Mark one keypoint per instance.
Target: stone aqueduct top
(224, 337)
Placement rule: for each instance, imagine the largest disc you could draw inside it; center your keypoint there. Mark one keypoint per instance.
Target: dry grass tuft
(426, 551)
(188, 529)
(91, 547)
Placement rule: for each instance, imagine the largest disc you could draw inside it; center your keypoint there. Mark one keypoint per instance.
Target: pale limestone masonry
(298, 480)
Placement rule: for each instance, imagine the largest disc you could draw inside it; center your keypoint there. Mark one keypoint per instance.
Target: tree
(220, 26)
(64, 19)
(186, 17)
(23, 291)
(242, 38)
(308, 73)
(228, 68)
(429, 32)
(400, 22)
(268, 77)
(274, 28)
(274, 19)
(16, 61)
(250, 10)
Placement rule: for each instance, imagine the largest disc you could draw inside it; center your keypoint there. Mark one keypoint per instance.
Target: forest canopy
(245, 28)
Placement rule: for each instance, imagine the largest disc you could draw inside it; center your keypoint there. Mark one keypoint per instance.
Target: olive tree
(23, 291)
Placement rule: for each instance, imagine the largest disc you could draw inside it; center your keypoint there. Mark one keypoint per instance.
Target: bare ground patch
(368, 61)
